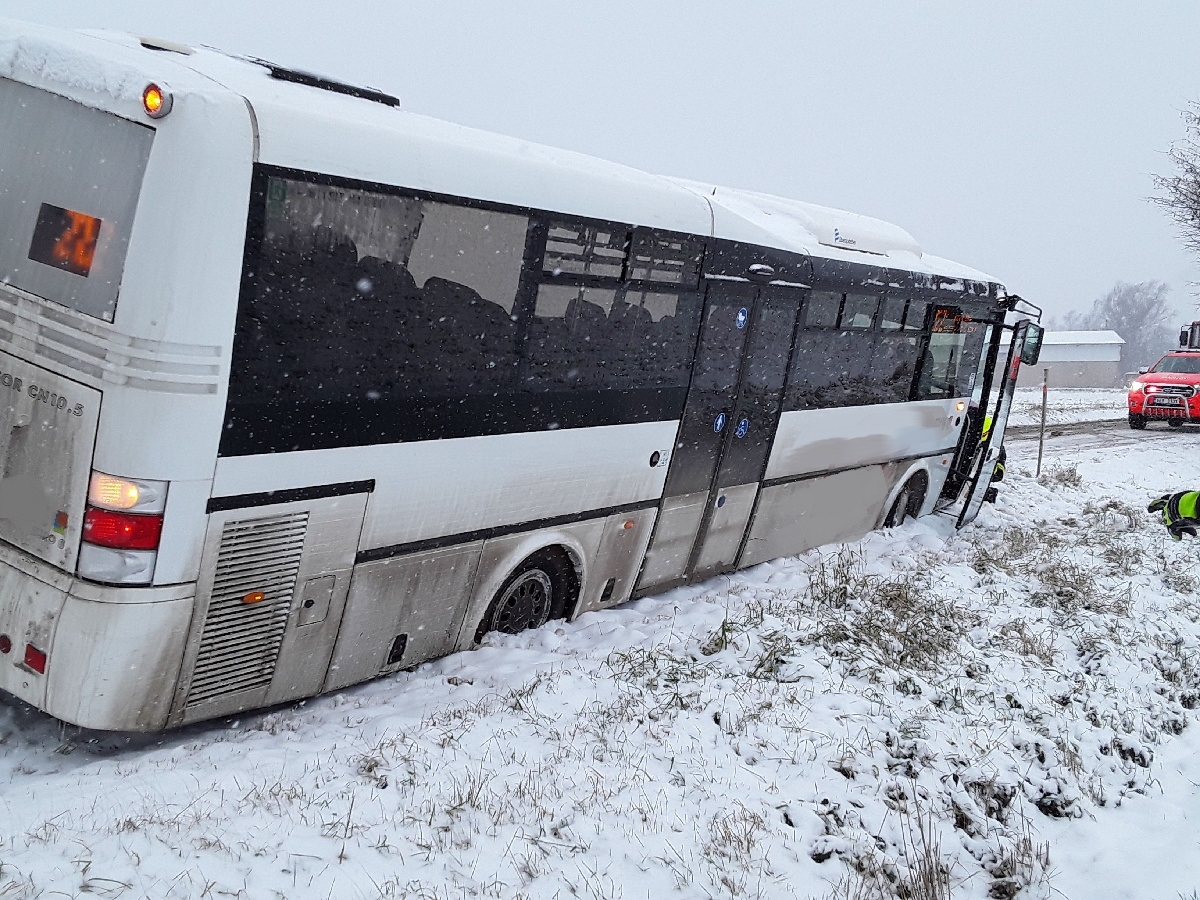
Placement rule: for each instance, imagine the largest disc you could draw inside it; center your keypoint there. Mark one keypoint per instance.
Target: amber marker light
(254, 597)
(156, 101)
(961, 405)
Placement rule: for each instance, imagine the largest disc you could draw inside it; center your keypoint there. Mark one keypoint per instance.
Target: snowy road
(1064, 440)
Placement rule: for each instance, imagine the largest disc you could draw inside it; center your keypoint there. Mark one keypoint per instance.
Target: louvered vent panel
(240, 642)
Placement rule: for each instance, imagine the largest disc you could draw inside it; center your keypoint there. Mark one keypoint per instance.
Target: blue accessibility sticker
(743, 427)
(719, 423)
(743, 317)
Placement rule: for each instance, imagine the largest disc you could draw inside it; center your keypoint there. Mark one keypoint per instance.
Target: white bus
(300, 389)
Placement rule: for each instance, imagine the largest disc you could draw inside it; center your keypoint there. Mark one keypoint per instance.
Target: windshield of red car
(1187, 365)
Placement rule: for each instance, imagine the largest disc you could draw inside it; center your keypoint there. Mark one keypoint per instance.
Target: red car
(1168, 391)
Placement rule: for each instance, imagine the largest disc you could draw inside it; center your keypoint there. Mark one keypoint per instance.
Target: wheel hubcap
(524, 604)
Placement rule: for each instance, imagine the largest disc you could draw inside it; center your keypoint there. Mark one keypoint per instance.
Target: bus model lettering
(418, 400)
(53, 399)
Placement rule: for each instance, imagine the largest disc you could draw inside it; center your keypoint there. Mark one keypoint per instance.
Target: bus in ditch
(300, 388)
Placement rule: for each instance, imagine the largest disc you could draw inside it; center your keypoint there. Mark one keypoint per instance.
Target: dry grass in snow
(906, 716)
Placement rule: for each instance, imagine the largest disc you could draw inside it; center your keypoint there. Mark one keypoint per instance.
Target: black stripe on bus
(290, 495)
(482, 534)
(808, 476)
(279, 425)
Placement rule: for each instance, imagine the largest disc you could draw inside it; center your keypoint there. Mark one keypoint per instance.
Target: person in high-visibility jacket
(1179, 513)
(998, 469)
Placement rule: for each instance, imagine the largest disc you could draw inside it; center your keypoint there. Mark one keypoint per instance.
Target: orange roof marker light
(156, 101)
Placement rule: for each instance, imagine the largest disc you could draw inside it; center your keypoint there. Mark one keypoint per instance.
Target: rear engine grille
(240, 642)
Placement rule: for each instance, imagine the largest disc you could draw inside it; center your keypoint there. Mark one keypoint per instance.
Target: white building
(1077, 359)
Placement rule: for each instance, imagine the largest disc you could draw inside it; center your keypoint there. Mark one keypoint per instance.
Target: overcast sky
(1019, 137)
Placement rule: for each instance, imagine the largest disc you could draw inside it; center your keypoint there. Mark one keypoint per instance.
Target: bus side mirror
(1031, 347)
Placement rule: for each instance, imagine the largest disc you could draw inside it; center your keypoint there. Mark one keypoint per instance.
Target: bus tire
(908, 501)
(540, 589)
(1137, 423)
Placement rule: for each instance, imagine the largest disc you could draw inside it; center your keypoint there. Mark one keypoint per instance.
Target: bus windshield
(952, 358)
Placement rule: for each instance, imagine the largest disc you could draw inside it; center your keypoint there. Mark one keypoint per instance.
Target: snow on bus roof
(307, 128)
(822, 231)
(45, 58)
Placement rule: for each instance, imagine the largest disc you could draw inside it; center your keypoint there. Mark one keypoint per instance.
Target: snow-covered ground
(1066, 405)
(1005, 711)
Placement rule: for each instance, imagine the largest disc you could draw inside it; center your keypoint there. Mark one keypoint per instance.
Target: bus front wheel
(539, 590)
(906, 504)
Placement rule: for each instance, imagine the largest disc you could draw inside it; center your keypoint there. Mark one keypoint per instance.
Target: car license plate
(1168, 401)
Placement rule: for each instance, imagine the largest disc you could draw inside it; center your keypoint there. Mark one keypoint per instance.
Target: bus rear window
(68, 191)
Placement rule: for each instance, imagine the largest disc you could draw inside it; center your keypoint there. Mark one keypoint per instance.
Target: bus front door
(725, 434)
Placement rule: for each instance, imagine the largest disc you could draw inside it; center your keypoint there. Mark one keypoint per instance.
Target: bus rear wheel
(538, 591)
(1137, 423)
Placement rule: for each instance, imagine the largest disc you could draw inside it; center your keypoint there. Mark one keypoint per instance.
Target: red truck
(1169, 390)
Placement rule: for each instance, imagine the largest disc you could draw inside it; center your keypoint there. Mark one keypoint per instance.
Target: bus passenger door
(747, 446)
(1026, 343)
(725, 434)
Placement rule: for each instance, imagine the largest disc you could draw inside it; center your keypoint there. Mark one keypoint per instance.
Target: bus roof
(307, 128)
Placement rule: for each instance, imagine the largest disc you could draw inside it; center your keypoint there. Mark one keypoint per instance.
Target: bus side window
(594, 338)
(391, 295)
(393, 299)
(867, 359)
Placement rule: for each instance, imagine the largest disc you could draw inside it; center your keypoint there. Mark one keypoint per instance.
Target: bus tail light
(122, 531)
(122, 528)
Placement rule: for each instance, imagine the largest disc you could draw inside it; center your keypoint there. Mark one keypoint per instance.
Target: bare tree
(1181, 191)
(1140, 313)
